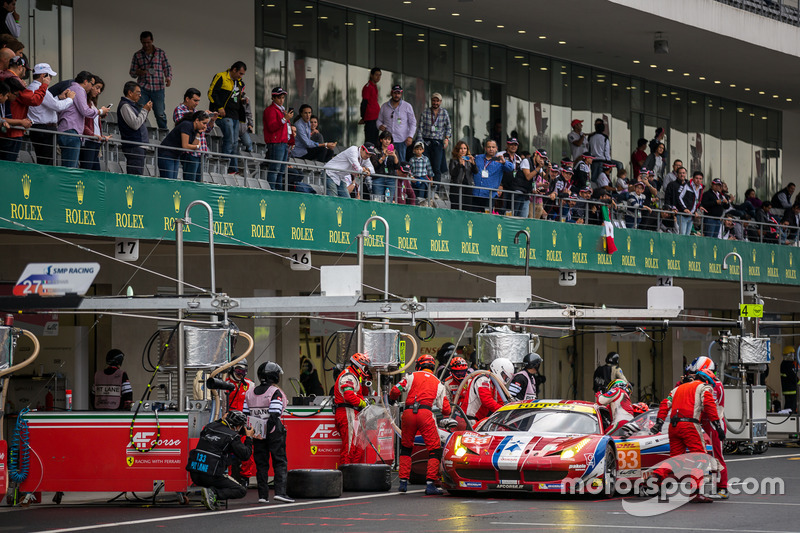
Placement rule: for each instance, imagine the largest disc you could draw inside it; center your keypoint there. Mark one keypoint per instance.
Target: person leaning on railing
(133, 126)
(90, 151)
(183, 135)
(45, 116)
(14, 123)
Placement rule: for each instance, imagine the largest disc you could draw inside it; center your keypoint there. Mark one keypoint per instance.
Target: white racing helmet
(502, 368)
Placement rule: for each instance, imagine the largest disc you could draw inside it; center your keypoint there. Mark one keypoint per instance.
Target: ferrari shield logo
(313, 451)
(129, 460)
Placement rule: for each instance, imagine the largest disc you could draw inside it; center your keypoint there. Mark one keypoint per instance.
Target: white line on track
(261, 508)
(762, 458)
(573, 525)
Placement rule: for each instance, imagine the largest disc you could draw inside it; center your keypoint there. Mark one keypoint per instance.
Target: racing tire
(761, 447)
(366, 478)
(313, 483)
(730, 447)
(610, 473)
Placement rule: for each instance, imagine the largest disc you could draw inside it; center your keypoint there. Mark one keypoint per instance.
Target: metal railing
(288, 174)
(782, 10)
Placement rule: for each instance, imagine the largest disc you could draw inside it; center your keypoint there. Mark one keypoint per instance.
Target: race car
(541, 446)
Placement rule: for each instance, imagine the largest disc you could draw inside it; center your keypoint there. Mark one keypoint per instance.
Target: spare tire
(312, 483)
(366, 478)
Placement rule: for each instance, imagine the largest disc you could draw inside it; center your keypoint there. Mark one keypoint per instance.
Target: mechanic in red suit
(458, 371)
(482, 397)
(241, 471)
(707, 365)
(686, 405)
(349, 397)
(423, 391)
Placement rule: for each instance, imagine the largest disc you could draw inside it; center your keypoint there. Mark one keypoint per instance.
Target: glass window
(441, 50)
(332, 34)
(678, 136)
(359, 40)
(727, 111)
(581, 88)
(601, 92)
(560, 110)
(273, 17)
(518, 74)
(497, 63)
(270, 61)
(357, 77)
(662, 99)
(696, 113)
(481, 110)
(302, 74)
(332, 110)
(649, 98)
(415, 42)
(480, 60)
(463, 56)
(388, 44)
(462, 115)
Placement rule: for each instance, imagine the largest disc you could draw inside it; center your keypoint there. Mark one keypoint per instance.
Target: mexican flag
(608, 233)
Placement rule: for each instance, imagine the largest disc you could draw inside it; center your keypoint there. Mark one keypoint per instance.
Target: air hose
(19, 454)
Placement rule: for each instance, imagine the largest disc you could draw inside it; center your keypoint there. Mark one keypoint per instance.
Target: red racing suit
(348, 398)
(619, 404)
(237, 402)
(481, 398)
(451, 384)
(686, 404)
(716, 444)
(423, 392)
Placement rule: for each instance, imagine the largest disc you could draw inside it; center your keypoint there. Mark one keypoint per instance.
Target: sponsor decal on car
(470, 484)
(577, 467)
(549, 405)
(549, 486)
(633, 472)
(512, 486)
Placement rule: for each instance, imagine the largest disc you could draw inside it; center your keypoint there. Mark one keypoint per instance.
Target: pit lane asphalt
(414, 512)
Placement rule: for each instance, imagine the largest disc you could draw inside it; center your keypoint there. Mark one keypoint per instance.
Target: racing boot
(433, 490)
(209, 498)
(403, 485)
(722, 494)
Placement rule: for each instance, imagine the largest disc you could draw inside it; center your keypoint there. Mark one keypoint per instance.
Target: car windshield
(542, 421)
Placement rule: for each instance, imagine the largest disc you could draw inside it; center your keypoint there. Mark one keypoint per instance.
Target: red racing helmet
(458, 368)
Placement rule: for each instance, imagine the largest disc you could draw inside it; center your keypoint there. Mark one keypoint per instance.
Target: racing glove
(362, 404)
(657, 426)
(629, 429)
(720, 432)
(447, 423)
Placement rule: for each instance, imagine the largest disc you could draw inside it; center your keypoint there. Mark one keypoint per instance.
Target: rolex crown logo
(176, 201)
(580, 240)
(262, 207)
(773, 257)
(469, 229)
(303, 213)
(339, 216)
(408, 222)
(555, 236)
(129, 196)
(628, 242)
(439, 226)
(499, 232)
(673, 248)
(715, 252)
(694, 250)
(26, 186)
(754, 255)
(80, 188)
(374, 222)
(651, 246)
(221, 206)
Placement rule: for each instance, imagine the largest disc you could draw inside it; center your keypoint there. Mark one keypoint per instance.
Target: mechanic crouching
(423, 391)
(209, 461)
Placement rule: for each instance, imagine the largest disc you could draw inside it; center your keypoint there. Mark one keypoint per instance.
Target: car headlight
(569, 453)
(460, 451)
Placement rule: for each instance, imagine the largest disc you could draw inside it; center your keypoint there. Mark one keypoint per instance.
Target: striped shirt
(156, 66)
(438, 128)
(421, 168)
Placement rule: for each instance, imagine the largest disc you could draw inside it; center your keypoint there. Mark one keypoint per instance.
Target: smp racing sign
(56, 279)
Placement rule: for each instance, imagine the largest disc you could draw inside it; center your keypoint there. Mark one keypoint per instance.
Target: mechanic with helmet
(458, 371)
(241, 471)
(618, 399)
(208, 462)
(605, 374)
(267, 402)
(112, 389)
(349, 397)
(523, 384)
(423, 392)
(706, 365)
(685, 405)
(482, 397)
(789, 379)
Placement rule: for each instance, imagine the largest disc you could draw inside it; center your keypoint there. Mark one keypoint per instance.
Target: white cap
(43, 68)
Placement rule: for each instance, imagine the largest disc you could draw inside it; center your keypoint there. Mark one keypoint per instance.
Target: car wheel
(761, 447)
(610, 473)
(312, 483)
(730, 447)
(366, 478)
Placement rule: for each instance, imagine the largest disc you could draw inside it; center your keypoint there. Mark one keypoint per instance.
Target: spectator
(791, 222)
(192, 162)
(45, 116)
(276, 135)
(638, 157)
(340, 169)
(225, 97)
(72, 119)
(604, 179)
(316, 136)
(782, 200)
(582, 206)
(9, 24)
(507, 204)
(435, 130)
(670, 177)
(767, 229)
(370, 108)
(673, 190)
(304, 146)
(714, 203)
(246, 126)
(152, 71)
(732, 229)
(9, 147)
(637, 203)
(489, 175)
(21, 99)
(405, 192)
(132, 126)
(90, 151)
(657, 162)
(422, 172)
(583, 168)
(183, 135)
(397, 117)
(621, 183)
(660, 137)
(578, 143)
(532, 171)
(5, 56)
(462, 168)
(385, 162)
(542, 183)
(688, 199)
(600, 148)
